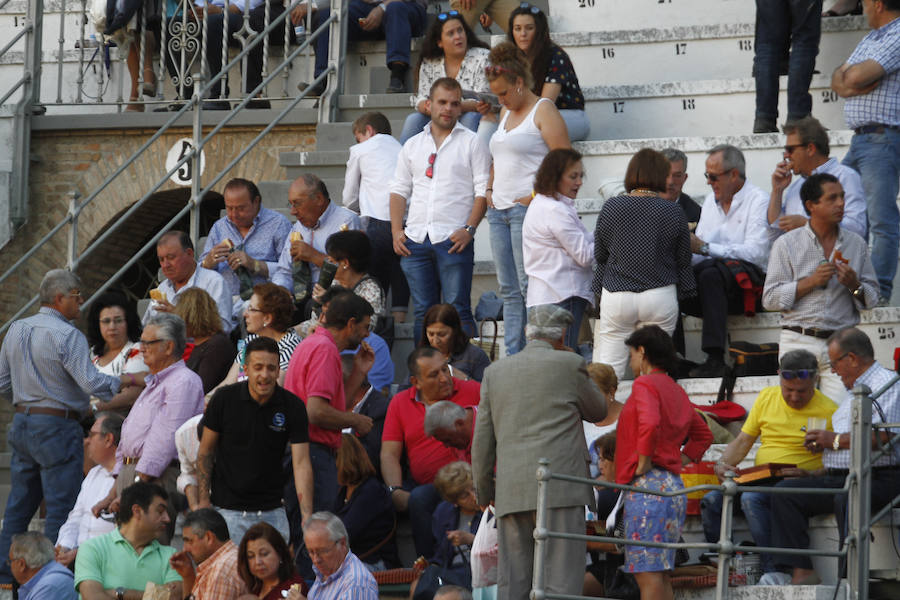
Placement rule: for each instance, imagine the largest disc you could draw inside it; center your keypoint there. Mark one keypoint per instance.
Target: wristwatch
(836, 445)
(858, 293)
(394, 488)
(704, 249)
(120, 593)
(469, 229)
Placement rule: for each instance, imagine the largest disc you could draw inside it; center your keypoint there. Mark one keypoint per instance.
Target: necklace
(643, 192)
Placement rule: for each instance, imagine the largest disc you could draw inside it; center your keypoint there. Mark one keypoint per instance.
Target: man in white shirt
(731, 239)
(370, 168)
(81, 524)
(442, 174)
(175, 252)
(806, 153)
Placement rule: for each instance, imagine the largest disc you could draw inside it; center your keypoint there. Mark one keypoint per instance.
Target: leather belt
(874, 128)
(822, 334)
(130, 460)
(65, 413)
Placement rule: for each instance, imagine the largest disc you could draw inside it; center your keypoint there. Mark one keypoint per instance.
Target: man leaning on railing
(852, 358)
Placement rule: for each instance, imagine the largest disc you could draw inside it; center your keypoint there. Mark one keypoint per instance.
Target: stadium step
(599, 15)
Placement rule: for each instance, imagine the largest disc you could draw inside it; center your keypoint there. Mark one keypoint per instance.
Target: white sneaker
(775, 578)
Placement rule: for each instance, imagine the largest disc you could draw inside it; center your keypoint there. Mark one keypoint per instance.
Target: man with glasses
(806, 153)
(730, 241)
(340, 574)
(173, 395)
(442, 174)
(819, 277)
(853, 359)
(46, 370)
(870, 81)
(82, 525)
(779, 418)
(176, 261)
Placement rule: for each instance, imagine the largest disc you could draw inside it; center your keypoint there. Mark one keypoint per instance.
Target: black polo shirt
(247, 474)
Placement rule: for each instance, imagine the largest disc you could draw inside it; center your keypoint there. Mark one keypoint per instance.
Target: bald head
(308, 198)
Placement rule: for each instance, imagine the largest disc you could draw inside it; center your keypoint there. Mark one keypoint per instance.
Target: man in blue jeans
(779, 418)
(396, 21)
(870, 81)
(783, 24)
(45, 363)
(441, 175)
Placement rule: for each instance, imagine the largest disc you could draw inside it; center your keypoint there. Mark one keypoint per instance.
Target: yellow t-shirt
(778, 427)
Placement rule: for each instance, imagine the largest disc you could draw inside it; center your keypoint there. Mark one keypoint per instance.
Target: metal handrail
(71, 218)
(856, 486)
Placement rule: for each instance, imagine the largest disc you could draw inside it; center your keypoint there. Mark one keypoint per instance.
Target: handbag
(484, 551)
(435, 576)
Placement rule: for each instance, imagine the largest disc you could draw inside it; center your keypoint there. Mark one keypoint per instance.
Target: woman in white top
(113, 333)
(558, 247)
(529, 128)
(451, 49)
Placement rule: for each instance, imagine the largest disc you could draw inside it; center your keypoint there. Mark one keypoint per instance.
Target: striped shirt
(875, 377)
(882, 104)
(352, 581)
(45, 361)
(217, 576)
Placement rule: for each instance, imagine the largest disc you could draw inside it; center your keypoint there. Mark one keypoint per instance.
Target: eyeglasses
(75, 294)
(789, 148)
(446, 15)
(115, 321)
(790, 374)
(144, 343)
(429, 170)
(840, 358)
(319, 553)
(714, 177)
(530, 8)
(496, 70)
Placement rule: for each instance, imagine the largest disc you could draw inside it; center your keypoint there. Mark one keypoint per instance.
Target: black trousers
(790, 512)
(717, 297)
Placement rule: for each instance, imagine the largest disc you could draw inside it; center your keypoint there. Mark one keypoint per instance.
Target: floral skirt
(653, 519)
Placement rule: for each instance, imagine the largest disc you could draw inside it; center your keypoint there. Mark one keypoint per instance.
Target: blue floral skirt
(653, 519)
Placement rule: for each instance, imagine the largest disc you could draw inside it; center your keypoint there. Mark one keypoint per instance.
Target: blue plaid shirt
(352, 581)
(881, 105)
(46, 362)
(264, 242)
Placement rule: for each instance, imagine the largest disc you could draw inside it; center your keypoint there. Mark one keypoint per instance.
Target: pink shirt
(315, 370)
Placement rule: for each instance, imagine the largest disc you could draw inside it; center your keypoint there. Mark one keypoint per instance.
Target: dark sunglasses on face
(714, 177)
(532, 9)
(446, 15)
(790, 374)
(429, 171)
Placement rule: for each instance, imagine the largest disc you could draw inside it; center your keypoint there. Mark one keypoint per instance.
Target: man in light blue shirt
(39, 575)
(45, 366)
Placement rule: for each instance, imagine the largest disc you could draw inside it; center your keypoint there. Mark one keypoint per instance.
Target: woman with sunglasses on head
(552, 72)
(529, 128)
(451, 49)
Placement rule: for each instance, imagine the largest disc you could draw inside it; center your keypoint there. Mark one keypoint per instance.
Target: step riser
(598, 15)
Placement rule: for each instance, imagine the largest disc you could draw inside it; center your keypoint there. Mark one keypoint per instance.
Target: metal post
(62, 51)
(80, 81)
(72, 238)
(859, 505)
(540, 530)
(337, 49)
(726, 547)
(195, 164)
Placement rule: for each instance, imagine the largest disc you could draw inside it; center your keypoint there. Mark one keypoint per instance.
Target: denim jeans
(781, 24)
(401, 22)
(576, 306)
(432, 272)
(46, 464)
(758, 513)
(385, 264)
(239, 521)
(577, 123)
(423, 499)
(877, 158)
(506, 246)
(416, 122)
(325, 485)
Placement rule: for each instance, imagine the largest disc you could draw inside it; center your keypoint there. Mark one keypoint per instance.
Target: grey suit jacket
(532, 405)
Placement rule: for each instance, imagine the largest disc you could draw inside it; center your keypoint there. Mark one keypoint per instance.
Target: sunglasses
(446, 15)
(789, 149)
(496, 70)
(714, 177)
(790, 374)
(429, 171)
(530, 8)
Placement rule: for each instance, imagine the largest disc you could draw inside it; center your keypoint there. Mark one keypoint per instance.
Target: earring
(266, 324)
(518, 90)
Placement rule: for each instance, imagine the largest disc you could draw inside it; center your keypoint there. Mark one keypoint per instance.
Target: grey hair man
(733, 229)
(32, 565)
(545, 385)
(339, 573)
(678, 163)
(451, 424)
(208, 565)
(453, 592)
(173, 395)
(46, 370)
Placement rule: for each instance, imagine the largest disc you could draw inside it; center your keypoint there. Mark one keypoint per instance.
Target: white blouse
(471, 74)
(129, 360)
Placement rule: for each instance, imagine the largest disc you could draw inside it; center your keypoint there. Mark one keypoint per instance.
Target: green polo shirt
(111, 560)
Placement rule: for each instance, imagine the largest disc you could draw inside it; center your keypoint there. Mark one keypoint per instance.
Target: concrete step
(598, 15)
(717, 51)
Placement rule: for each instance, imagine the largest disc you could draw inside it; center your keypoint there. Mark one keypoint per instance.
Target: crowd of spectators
(254, 396)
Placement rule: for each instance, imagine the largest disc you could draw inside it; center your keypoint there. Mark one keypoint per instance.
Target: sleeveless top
(517, 154)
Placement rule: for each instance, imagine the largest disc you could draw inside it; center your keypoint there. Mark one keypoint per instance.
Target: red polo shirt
(315, 370)
(405, 423)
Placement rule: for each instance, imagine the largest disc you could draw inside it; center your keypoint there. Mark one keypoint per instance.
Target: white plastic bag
(484, 551)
